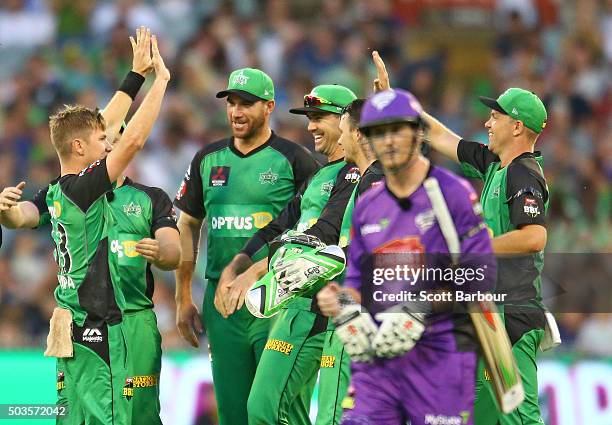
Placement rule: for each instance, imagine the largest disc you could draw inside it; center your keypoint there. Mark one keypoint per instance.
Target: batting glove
(356, 330)
(399, 331)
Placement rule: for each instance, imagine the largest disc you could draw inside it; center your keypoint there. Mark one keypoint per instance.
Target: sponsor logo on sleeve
(352, 175)
(530, 207)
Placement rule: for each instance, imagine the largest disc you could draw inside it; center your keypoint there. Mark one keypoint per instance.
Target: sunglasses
(311, 101)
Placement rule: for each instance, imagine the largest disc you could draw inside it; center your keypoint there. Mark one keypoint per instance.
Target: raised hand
(158, 62)
(142, 62)
(381, 82)
(10, 196)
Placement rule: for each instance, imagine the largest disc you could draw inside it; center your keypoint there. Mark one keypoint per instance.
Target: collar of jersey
(254, 151)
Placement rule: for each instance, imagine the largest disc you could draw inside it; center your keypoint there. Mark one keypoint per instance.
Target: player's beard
(252, 130)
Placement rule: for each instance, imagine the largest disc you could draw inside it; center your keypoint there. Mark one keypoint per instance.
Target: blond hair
(73, 122)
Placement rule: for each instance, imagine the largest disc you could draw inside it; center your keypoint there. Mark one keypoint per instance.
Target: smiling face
(395, 145)
(325, 128)
(247, 118)
(500, 130)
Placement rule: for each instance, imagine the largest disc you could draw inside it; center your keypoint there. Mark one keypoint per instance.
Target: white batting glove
(399, 331)
(356, 330)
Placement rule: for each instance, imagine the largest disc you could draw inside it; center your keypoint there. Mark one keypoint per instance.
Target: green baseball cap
(250, 84)
(522, 105)
(326, 98)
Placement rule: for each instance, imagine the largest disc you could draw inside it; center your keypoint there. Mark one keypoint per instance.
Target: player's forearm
(527, 240)
(189, 230)
(260, 268)
(169, 257)
(441, 138)
(139, 128)
(117, 108)
(184, 275)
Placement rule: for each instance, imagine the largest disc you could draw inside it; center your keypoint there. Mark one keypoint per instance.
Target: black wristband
(131, 84)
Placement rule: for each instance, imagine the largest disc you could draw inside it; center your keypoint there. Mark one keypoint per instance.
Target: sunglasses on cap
(311, 101)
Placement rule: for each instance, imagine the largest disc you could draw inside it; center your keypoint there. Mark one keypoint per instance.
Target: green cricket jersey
(80, 217)
(138, 211)
(513, 196)
(316, 209)
(239, 194)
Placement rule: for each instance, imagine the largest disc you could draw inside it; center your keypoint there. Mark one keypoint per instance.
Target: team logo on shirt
(327, 187)
(434, 419)
(219, 176)
(132, 209)
(352, 175)
(268, 177)
(495, 193)
(531, 207)
(425, 220)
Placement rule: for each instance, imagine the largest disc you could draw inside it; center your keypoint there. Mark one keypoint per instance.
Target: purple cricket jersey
(392, 239)
(435, 381)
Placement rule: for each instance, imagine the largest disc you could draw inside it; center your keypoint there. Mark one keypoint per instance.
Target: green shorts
(144, 354)
(287, 372)
(94, 383)
(236, 344)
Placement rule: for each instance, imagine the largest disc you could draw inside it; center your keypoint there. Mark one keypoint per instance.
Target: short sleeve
(475, 158)
(190, 196)
(88, 186)
(527, 195)
(163, 211)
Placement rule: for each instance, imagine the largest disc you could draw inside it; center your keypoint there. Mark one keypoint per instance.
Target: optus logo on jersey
(256, 220)
(121, 248)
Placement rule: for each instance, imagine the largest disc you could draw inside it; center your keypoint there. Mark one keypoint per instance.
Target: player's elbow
(535, 237)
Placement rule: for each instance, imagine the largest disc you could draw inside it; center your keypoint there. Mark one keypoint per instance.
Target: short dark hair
(353, 110)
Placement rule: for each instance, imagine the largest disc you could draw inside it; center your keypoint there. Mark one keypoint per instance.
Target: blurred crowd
(446, 52)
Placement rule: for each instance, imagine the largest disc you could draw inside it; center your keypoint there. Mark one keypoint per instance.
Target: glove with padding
(399, 331)
(355, 328)
(297, 272)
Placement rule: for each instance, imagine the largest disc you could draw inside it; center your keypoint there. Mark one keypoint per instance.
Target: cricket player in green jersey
(87, 334)
(238, 185)
(335, 362)
(287, 372)
(514, 201)
(144, 232)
